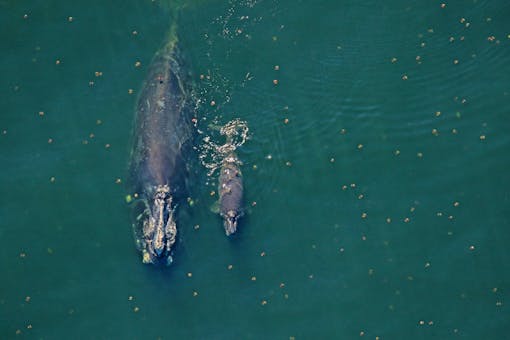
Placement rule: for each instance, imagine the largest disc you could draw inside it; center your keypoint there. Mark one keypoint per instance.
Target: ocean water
(376, 178)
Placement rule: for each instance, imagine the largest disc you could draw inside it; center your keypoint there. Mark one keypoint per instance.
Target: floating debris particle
(57, 62)
(419, 154)
(196, 227)
(404, 77)
(264, 302)
(286, 121)
(275, 81)
(364, 215)
(98, 74)
(41, 113)
(195, 293)
(138, 63)
(427, 264)
(397, 152)
(70, 19)
(360, 146)
(276, 67)
(212, 193)
(455, 61)
(136, 309)
(343, 131)
(435, 132)
(388, 220)
(130, 298)
(107, 146)
(131, 91)
(25, 16)
(361, 333)
(190, 274)
(282, 285)
(482, 137)
(472, 247)
(332, 160)
(394, 60)
(443, 5)
(344, 187)
(253, 278)
(262, 254)
(27, 299)
(213, 103)
(52, 179)
(456, 204)
(406, 220)
(229, 267)
(438, 113)
(50, 140)
(134, 32)
(289, 164)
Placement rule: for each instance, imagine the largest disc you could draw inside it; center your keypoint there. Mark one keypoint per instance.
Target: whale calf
(230, 181)
(162, 133)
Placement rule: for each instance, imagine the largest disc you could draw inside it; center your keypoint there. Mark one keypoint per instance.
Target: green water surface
(376, 176)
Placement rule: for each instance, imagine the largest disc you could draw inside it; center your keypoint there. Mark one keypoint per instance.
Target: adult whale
(162, 133)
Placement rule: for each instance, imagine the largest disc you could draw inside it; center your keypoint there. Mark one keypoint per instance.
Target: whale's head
(230, 221)
(159, 228)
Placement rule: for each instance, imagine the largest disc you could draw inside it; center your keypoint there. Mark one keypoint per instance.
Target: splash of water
(212, 153)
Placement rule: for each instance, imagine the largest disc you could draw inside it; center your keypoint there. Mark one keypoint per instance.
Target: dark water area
(376, 183)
